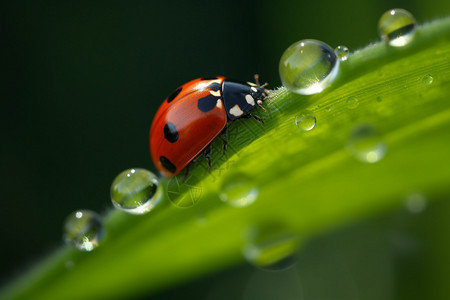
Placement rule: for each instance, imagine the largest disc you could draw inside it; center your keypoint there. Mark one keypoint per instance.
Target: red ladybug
(196, 113)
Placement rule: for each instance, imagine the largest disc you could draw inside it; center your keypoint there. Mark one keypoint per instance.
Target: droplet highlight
(352, 102)
(238, 190)
(135, 191)
(83, 230)
(271, 247)
(342, 52)
(397, 26)
(305, 121)
(308, 67)
(366, 144)
(427, 79)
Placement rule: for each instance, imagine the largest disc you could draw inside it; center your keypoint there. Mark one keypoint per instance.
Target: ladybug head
(258, 91)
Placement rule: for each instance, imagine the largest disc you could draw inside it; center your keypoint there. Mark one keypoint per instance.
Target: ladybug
(193, 115)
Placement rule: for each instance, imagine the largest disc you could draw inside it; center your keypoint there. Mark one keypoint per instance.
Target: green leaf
(308, 181)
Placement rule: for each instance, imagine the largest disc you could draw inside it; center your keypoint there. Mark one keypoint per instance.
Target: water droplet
(308, 67)
(271, 247)
(184, 194)
(379, 99)
(305, 121)
(427, 79)
(366, 144)
(83, 230)
(397, 27)
(415, 203)
(135, 191)
(352, 102)
(342, 52)
(238, 190)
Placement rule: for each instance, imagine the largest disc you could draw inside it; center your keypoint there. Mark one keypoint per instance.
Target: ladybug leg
(223, 134)
(207, 153)
(259, 103)
(248, 116)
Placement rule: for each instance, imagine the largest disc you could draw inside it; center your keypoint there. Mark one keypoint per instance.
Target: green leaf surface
(309, 181)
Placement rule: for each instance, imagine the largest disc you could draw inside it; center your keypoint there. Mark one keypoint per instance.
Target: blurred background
(80, 83)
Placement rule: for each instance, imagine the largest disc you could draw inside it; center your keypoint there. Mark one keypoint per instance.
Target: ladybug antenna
(262, 86)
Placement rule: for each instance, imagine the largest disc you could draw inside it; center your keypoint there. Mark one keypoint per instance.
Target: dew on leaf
(427, 79)
(366, 144)
(83, 230)
(271, 247)
(342, 52)
(397, 26)
(135, 191)
(352, 102)
(305, 120)
(308, 67)
(238, 190)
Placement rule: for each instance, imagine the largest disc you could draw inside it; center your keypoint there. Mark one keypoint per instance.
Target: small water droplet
(342, 52)
(238, 190)
(83, 230)
(271, 247)
(308, 67)
(415, 203)
(366, 144)
(397, 27)
(379, 99)
(305, 121)
(135, 191)
(352, 102)
(427, 79)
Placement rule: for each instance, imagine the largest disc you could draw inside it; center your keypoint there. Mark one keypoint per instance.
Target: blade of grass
(306, 180)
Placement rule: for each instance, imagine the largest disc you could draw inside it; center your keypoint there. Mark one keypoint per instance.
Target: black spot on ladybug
(167, 164)
(214, 86)
(209, 78)
(174, 94)
(170, 132)
(207, 103)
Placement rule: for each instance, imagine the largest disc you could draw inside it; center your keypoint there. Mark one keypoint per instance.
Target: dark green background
(81, 81)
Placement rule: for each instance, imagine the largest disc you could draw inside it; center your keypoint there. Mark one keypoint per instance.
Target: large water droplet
(366, 144)
(397, 27)
(305, 121)
(83, 230)
(238, 190)
(308, 67)
(271, 247)
(342, 52)
(135, 191)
